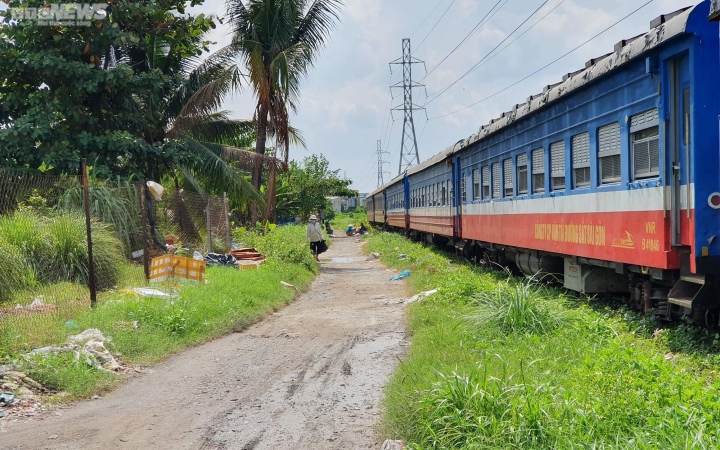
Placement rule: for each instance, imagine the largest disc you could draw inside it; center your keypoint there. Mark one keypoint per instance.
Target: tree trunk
(262, 122)
(270, 194)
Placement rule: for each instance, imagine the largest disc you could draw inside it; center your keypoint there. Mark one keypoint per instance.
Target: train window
(496, 180)
(485, 182)
(463, 187)
(609, 153)
(508, 177)
(522, 172)
(581, 160)
(476, 184)
(557, 166)
(645, 145)
(444, 193)
(538, 170)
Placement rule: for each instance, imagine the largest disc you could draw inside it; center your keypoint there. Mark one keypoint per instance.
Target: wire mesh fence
(45, 264)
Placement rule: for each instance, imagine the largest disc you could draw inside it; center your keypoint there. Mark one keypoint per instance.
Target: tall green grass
(286, 243)
(49, 249)
(114, 203)
(504, 363)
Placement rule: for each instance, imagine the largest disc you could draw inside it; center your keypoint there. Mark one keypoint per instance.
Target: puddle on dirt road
(343, 260)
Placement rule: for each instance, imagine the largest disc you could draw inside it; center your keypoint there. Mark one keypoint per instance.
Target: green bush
(286, 243)
(15, 271)
(516, 308)
(68, 256)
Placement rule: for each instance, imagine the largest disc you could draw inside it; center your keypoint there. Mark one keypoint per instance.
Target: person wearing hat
(315, 236)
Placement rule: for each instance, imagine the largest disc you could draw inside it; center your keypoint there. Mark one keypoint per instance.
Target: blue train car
(610, 178)
(432, 206)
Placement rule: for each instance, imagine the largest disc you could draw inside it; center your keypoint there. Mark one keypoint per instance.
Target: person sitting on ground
(350, 230)
(362, 229)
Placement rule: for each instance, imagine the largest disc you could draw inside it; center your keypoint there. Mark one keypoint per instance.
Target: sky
(345, 101)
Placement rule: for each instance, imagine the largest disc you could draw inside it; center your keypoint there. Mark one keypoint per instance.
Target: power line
(426, 18)
(465, 38)
(543, 67)
(436, 24)
(523, 33)
(441, 92)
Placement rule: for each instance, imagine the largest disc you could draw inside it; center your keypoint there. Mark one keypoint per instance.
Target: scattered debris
(401, 275)
(373, 256)
(71, 325)
(421, 295)
(247, 254)
(6, 398)
(24, 403)
(402, 256)
(216, 259)
(393, 445)
(36, 306)
(288, 285)
(150, 292)
(89, 344)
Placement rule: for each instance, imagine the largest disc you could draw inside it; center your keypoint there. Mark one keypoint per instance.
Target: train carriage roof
(663, 28)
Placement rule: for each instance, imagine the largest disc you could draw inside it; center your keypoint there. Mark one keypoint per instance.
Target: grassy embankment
(147, 330)
(499, 362)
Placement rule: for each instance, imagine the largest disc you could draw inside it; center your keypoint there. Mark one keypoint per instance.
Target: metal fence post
(226, 217)
(91, 266)
(144, 220)
(209, 225)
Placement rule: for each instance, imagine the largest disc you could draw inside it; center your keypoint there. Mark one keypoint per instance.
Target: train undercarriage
(667, 294)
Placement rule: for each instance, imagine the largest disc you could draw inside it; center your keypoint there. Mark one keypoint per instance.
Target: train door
(679, 151)
(458, 198)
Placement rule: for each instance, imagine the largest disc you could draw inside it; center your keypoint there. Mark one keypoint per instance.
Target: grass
(38, 250)
(146, 330)
(499, 362)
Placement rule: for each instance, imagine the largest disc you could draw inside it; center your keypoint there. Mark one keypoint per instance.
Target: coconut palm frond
(216, 173)
(247, 159)
(218, 129)
(315, 26)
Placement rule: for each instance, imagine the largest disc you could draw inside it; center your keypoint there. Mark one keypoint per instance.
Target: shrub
(68, 257)
(516, 308)
(286, 243)
(15, 271)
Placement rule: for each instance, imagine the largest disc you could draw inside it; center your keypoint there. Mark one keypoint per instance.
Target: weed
(516, 308)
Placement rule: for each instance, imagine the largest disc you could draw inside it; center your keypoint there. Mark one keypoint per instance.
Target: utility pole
(381, 172)
(409, 155)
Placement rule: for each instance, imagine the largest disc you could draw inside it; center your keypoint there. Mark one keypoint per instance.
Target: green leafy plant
(516, 308)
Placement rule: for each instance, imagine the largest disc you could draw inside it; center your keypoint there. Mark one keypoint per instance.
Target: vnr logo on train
(626, 242)
(68, 14)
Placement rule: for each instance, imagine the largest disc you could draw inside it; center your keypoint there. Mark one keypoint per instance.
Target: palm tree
(278, 41)
(189, 118)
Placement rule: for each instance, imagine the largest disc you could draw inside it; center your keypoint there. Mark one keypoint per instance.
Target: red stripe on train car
(641, 238)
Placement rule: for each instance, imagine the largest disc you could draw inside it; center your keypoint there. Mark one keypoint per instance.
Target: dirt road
(307, 377)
